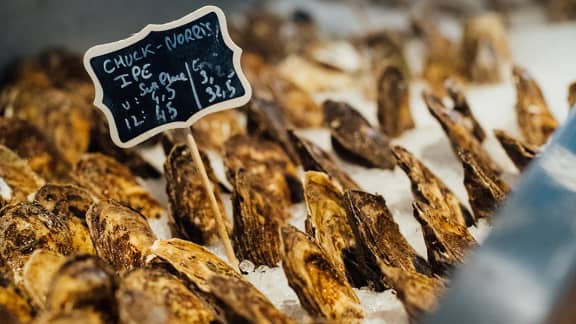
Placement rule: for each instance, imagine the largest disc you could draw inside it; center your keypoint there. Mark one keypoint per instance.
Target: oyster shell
(378, 234)
(354, 139)
(153, 295)
(17, 180)
(213, 130)
(418, 293)
(486, 191)
(189, 202)
(393, 101)
(462, 108)
(534, 117)
(70, 203)
(55, 67)
(327, 223)
(13, 306)
(430, 191)
(266, 119)
(313, 77)
(460, 138)
(313, 158)
(107, 178)
(102, 142)
(484, 48)
(519, 152)
(266, 159)
(323, 291)
(121, 236)
(55, 113)
(83, 282)
(42, 156)
(38, 273)
(217, 283)
(25, 227)
(298, 105)
(257, 220)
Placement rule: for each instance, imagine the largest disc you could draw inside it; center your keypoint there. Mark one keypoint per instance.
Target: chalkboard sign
(167, 76)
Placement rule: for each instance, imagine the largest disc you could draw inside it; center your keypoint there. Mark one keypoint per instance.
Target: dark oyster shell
(354, 139)
(189, 202)
(461, 107)
(313, 158)
(379, 235)
(519, 152)
(25, 227)
(431, 190)
(121, 236)
(394, 113)
(460, 138)
(70, 203)
(107, 178)
(42, 156)
(327, 223)
(323, 291)
(534, 117)
(486, 191)
(257, 220)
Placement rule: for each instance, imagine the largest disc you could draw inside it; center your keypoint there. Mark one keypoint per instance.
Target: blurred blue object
(525, 271)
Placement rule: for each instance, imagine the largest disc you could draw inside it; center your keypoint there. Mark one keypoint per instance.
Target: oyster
(70, 203)
(460, 138)
(441, 61)
(323, 291)
(354, 139)
(217, 283)
(430, 191)
(462, 108)
(313, 77)
(484, 48)
(107, 178)
(43, 157)
(561, 10)
(326, 222)
(257, 220)
(379, 235)
(534, 118)
(572, 95)
(38, 273)
(313, 158)
(486, 190)
(13, 306)
(121, 236)
(102, 142)
(298, 105)
(447, 242)
(265, 119)
(83, 282)
(25, 227)
(268, 160)
(213, 130)
(394, 113)
(189, 202)
(55, 113)
(519, 152)
(418, 293)
(153, 295)
(17, 180)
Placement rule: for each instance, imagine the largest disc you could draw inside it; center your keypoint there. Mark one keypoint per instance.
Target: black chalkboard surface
(167, 76)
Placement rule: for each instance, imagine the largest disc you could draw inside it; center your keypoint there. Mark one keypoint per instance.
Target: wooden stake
(220, 222)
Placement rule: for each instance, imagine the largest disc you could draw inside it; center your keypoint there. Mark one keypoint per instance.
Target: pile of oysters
(76, 241)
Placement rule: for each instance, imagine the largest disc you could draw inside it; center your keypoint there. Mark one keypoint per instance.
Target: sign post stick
(220, 222)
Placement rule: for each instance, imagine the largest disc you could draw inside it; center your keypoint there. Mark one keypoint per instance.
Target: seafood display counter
(361, 176)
